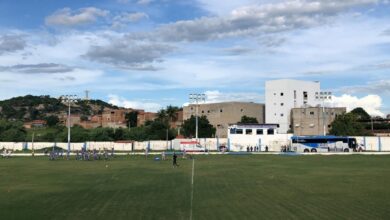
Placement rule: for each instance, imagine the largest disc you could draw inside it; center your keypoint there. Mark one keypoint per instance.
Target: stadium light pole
(68, 99)
(322, 97)
(195, 98)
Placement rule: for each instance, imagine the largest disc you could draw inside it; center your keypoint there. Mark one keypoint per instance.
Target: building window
(208, 111)
(311, 113)
(305, 95)
(220, 110)
(281, 104)
(295, 94)
(281, 115)
(248, 131)
(242, 110)
(202, 111)
(281, 94)
(238, 131)
(259, 131)
(270, 131)
(274, 93)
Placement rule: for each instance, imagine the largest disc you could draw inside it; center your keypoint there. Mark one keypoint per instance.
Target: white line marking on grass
(192, 186)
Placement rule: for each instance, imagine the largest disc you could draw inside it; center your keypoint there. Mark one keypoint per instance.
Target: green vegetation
(361, 114)
(205, 130)
(350, 124)
(347, 125)
(12, 131)
(131, 119)
(248, 120)
(29, 107)
(225, 187)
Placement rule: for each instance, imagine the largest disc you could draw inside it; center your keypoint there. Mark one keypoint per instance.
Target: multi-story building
(222, 114)
(143, 117)
(283, 95)
(313, 120)
(115, 118)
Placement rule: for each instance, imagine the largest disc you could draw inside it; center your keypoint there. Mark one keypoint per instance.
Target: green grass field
(225, 187)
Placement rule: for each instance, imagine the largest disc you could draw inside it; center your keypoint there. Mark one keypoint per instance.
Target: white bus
(322, 144)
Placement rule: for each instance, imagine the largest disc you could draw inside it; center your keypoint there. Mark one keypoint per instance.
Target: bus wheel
(314, 150)
(360, 149)
(306, 151)
(346, 150)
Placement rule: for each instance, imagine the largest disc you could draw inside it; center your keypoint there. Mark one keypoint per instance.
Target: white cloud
(128, 54)
(123, 19)
(11, 43)
(144, 2)
(123, 102)
(371, 103)
(216, 96)
(67, 17)
(258, 20)
(377, 87)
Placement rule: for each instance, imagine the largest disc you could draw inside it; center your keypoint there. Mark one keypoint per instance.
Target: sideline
(219, 153)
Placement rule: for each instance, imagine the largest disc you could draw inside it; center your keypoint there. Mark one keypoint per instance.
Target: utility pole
(32, 142)
(68, 99)
(195, 98)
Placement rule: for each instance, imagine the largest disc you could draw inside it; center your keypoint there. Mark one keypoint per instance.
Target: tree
(101, 134)
(249, 120)
(171, 113)
(52, 120)
(162, 115)
(12, 131)
(77, 134)
(361, 114)
(131, 118)
(157, 130)
(347, 125)
(205, 129)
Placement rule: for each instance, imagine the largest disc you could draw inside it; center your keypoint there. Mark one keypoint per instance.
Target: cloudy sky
(152, 53)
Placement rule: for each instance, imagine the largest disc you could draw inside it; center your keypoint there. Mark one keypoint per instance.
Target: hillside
(29, 107)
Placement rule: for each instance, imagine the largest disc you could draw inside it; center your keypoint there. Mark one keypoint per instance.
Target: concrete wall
(236, 144)
(310, 121)
(222, 114)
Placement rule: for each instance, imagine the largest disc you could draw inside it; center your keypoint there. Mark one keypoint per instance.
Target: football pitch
(208, 187)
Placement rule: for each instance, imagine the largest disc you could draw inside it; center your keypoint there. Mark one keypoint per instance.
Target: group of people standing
(255, 149)
(251, 149)
(94, 154)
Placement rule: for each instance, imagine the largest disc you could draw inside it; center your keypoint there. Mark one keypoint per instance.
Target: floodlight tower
(322, 97)
(196, 98)
(68, 99)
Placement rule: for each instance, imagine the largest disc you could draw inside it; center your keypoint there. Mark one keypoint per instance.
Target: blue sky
(149, 53)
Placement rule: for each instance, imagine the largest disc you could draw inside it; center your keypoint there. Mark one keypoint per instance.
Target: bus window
(259, 131)
(270, 131)
(248, 131)
(239, 131)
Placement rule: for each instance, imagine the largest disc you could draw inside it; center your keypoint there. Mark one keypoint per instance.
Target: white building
(258, 136)
(283, 95)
